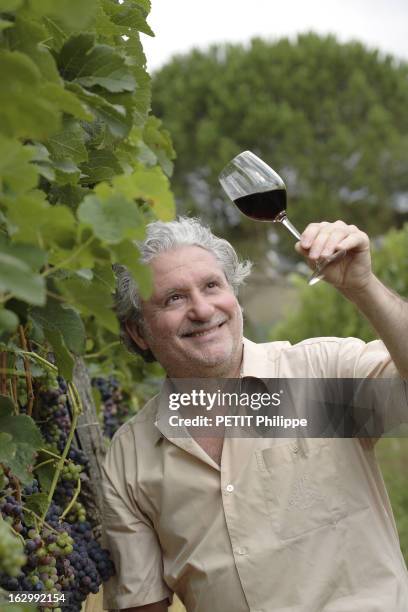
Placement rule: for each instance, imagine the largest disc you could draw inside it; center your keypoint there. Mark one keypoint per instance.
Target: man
(250, 524)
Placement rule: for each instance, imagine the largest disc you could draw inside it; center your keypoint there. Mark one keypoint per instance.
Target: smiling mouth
(205, 332)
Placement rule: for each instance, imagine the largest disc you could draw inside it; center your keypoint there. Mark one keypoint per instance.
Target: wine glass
(260, 194)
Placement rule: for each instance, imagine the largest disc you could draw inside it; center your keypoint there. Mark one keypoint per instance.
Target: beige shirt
(283, 525)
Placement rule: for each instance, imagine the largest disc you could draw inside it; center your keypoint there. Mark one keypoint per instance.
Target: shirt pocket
(302, 486)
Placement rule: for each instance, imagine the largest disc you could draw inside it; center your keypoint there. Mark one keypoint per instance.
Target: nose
(201, 308)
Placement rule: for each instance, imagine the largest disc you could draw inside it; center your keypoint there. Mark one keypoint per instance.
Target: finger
(355, 241)
(310, 233)
(333, 243)
(327, 239)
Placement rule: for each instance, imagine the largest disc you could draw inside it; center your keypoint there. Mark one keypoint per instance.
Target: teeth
(193, 334)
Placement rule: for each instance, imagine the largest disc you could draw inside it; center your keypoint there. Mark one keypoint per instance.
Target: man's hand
(352, 272)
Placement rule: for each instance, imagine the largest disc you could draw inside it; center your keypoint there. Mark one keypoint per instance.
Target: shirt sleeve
(380, 389)
(131, 540)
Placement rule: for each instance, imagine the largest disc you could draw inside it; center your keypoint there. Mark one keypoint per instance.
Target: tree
(329, 117)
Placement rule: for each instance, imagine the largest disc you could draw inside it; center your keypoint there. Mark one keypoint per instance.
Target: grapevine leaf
(27, 439)
(17, 277)
(105, 67)
(56, 317)
(8, 320)
(73, 14)
(89, 65)
(114, 115)
(71, 55)
(128, 255)
(66, 100)
(23, 112)
(27, 36)
(68, 144)
(17, 174)
(151, 185)
(6, 406)
(112, 217)
(36, 221)
(93, 298)
(37, 502)
(7, 447)
(21, 463)
(22, 428)
(128, 15)
(7, 6)
(101, 166)
(5, 23)
(64, 360)
(45, 475)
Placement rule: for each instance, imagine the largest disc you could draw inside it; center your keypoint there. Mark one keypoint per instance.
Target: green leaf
(17, 277)
(23, 112)
(5, 23)
(37, 502)
(68, 144)
(7, 447)
(17, 174)
(22, 428)
(63, 357)
(101, 166)
(7, 6)
(6, 406)
(117, 120)
(91, 65)
(151, 185)
(111, 216)
(36, 221)
(45, 473)
(73, 14)
(129, 15)
(66, 101)
(8, 320)
(128, 255)
(56, 317)
(93, 298)
(27, 439)
(27, 36)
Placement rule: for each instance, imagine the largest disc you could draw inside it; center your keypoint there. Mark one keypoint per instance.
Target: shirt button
(229, 488)
(295, 449)
(241, 551)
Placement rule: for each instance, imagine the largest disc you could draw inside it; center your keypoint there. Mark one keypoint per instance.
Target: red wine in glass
(260, 194)
(263, 206)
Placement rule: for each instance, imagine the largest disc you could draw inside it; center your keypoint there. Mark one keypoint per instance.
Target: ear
(134, 331)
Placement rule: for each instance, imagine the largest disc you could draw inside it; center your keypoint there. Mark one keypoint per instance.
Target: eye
(212, 284)
(173, 298)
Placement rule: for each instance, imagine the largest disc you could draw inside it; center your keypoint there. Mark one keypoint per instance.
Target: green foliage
(329, 117)
(323, 311)
(83, 169)
(19, 440)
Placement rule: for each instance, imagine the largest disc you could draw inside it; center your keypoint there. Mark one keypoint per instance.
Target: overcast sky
(181, 24)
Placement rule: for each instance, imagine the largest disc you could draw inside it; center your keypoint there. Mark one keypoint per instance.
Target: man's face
(192, 321)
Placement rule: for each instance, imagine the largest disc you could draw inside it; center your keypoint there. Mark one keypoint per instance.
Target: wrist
(365, 291)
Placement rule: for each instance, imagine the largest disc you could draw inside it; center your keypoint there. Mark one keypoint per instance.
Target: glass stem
(285, 221)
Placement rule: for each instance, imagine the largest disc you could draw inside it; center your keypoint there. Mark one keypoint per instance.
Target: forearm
(388, 314)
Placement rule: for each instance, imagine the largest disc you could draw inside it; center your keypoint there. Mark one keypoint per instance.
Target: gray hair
(162, 237)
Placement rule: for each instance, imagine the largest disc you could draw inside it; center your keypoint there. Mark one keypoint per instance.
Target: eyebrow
(181, 288)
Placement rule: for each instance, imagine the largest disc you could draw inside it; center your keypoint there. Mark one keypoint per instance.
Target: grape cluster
(62, 557)
(63, 554)
(115, 410)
